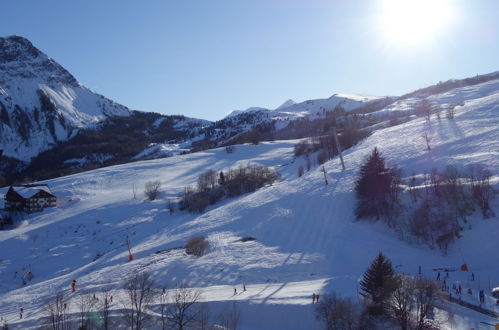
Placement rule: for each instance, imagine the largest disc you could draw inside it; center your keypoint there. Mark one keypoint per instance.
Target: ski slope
(307, 239)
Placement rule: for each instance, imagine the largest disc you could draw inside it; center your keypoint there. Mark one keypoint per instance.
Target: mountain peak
(16, 48)
(41, 102)
(18, 57)
(286, 104)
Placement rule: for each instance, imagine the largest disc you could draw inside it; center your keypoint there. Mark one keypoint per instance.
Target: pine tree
(221, 178)
(374, 187)
(379, 282)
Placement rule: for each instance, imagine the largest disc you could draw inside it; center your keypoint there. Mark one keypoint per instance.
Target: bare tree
(450, 111)
(402, 302)
(427, 139)
(151, 189)
(170, 206)
(300, 171)
(308, 162)
(139, 294)
(482, 192)
(163, 305)
(425, 295)
(207, 181)
(85, 306)
(424, 108)
(231, 317)
(106, 299)
(337, 313)
(202, 322)
(456, 192)
(56, 310)
(181, 312)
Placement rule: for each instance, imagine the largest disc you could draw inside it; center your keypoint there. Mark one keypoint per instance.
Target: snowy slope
(41, 103)
(306, 237)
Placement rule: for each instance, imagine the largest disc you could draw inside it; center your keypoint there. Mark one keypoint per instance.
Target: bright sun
(414, 21)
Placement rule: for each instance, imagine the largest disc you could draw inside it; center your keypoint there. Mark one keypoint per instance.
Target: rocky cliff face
(41, 103)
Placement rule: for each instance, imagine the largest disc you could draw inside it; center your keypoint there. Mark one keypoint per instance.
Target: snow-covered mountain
(51, 124)
(41, 103)
(290, 110)
(307, 239)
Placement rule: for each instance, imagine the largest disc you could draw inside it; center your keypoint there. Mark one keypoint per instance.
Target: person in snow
(472, 276)
(317, 298)
(244, 287)
(73, 286)
(21, 313)
(313, 298)
(235, 291)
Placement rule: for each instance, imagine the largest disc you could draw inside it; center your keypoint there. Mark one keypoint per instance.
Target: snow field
(307, 239)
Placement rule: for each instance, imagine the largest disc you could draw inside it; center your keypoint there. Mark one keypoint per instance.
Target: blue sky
(206, 58)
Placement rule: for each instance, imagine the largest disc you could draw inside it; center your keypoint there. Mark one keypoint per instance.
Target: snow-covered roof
(29, 191)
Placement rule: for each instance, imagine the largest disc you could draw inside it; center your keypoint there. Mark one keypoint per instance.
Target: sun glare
(414, 21)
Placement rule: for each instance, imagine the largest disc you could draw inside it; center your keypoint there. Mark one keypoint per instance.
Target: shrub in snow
(321, 157)
(300, 171)
(336, 312)
(450, 111)
(197, 246)
(231, 183)
(151, 189)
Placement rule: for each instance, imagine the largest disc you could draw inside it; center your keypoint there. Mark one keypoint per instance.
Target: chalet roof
(28, 191)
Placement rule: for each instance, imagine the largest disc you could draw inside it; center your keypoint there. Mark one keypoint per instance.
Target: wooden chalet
(29, 198)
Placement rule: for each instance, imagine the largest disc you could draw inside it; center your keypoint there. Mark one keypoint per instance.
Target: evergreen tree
(379, 282)
(221, 179)
(374, 187)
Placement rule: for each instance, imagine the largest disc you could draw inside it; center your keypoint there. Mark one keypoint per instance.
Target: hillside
(307, 238)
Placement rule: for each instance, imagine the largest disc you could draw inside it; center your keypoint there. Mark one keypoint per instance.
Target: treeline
(325, 146)
(118, 138)
(214, 186)
(142, 304)
(432, 208)
(388, 301)
(444, 86)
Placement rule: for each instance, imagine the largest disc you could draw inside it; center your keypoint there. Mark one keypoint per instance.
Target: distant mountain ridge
(49, 119)
(51, 125)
